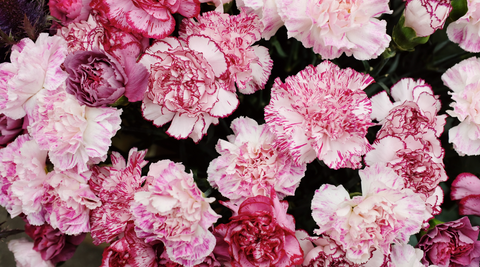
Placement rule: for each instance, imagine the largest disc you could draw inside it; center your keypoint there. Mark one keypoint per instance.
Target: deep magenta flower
(451, 244)
(322, 112)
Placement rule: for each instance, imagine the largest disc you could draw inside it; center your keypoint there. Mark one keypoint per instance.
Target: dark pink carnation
(68, 11)
(115, 186)
(149, 18)
(451, 244)
(10, 129)
(52, 244)
(129, 251)
(261, 234)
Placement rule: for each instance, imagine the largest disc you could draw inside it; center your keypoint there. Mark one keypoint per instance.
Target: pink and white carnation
(25, 255)
(334, 27)
(322, 112)
(464, 80)
(426, 16)
(184, 86)
(250, 165)
(129, 251)
(419, 166)
(163, 260)
(68, 201)
(115, 186)
(385, 213)
(248, 66)
(267, 12)
(34, 66)
(74, 135)
(466, 188)
(150, 18)
(465, 31)
(413, 112)
(173, 210)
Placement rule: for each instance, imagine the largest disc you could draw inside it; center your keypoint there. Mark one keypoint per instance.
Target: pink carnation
(33, 67)
(385, 213)
(68, 11)
(322, 112)
(334, 27)
(464, 80)
(465, 31)
(149, 18)
(25, 255)
(261, 233)
(74, 135)
(466, 188)
(173, 211)
(426, 16)
(416, 163)
(325, 252)
(68, 201)
(267, 12)
(129, 251)
(115, 186)
(249, 164)
(184, 86)
(248, 66)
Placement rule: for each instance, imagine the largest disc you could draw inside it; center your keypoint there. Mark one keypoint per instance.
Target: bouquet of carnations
(242, 133)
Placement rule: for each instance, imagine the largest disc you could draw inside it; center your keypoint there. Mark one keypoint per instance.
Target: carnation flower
(266, 11)
(22, 174)
(334, 27)
(10, 129)
(163, 260)
(68, 11)
(115, 186)
(173, 210)
(325, 253)
(413, 112)
(129, 251)
(249, 164)
(464, 80)
(74, 135)
(33, 67)
(466, 188)
(152, 19)
(53, 245)
(416, 163)
(384, 214)
(465, 31)
(25, 255)
(451, 244)
(261, 233)
(68, 201)
(426, 16)
(322, 112)
(184, 86)
(248, 66)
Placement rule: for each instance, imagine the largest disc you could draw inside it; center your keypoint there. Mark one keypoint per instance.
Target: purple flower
(10, 129)
(451, 244)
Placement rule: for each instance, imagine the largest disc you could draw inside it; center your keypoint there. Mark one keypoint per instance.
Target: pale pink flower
(68, 201)
(426, 16)
(115, 186)
(33, 67)
(25, 255)
(74, 135)
(322, 112)
(385, 213)
(404, 255)
(416, 163)
(413, 112)
(250, 165)
(466, 188)
(150, 18)
(334, 27)
(173, 211)
(465, 31)
(266, 11)
(248, 66)
(184, 86)
(325, 252)
(464, 80)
